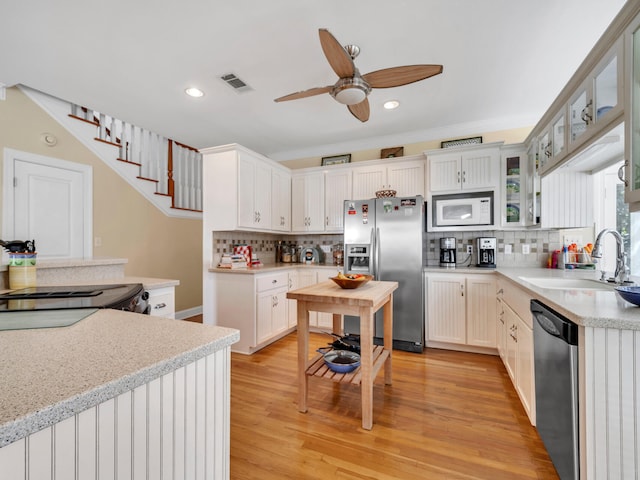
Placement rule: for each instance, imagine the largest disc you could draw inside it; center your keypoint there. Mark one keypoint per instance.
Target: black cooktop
(117, 296)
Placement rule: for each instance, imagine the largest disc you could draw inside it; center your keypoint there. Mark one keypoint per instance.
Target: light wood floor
(448, 415)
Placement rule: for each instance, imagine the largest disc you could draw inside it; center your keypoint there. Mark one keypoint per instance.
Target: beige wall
(516, 135)
(129, 226)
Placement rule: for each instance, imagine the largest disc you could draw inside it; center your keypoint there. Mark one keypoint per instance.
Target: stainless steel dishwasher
(555, 348)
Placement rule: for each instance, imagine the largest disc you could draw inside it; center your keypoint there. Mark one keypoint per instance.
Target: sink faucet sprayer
(621, 273)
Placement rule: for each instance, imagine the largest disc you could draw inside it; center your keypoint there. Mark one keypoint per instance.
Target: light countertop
(49, 374)
(589, 308)
(274, 267)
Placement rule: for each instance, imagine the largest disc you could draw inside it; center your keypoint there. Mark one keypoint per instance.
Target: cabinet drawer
(268, 282)
(162, 302)
(518, 300)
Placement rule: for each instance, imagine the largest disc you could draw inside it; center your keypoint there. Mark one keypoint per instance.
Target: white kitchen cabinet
(307, 202)
(254, 192)
(298, 278)
(461, 309)
(255, 304)
(238, 193)
(405, 177)
(566, 199)
(280, 201)
(632, 116)
(271, 306)
(323, 320)
(337, 189)
(518, 359)
(162, 302)
(464, 168)
(501, 333)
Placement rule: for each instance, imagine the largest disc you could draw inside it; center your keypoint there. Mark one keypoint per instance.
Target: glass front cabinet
(598, 100)
(632, 117)
(518, 198)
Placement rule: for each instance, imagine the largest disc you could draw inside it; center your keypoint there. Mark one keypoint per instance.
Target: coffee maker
(486, 248)
(448, 252)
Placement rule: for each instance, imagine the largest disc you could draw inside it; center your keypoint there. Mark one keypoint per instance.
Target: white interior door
(48, 200)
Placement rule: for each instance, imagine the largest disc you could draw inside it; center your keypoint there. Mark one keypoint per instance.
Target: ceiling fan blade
(337, 56)
(396, 76)
(305, 93)
(360, 110)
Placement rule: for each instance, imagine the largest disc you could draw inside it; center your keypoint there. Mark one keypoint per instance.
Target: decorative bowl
(342, 361)
(351, 282)
(386, 193)
(631, 293)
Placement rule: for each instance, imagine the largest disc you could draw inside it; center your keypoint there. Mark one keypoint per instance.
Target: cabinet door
(306, 277)
(280, 201)
(325, 320)
(501, 335)
(479, 169)
(247, 214)
(279, 318)
(632, 117)
(263, 316)
(481, 311)
(337, 189)
(298, 204)
(525, 379)
(446, 308)
(511, 323)
(314, 193)
(262, 197)
(292, 305)
(407, 178)
(367, 181)
(514, 188)
(445, 173)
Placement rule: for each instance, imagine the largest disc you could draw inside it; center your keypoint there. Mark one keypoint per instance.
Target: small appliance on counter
(448, 252)
(486, 248)
(309, 255)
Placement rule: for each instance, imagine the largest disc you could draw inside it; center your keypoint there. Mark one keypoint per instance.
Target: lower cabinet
(162, 302)
(461, 309)
(514, 327)
(257, 304)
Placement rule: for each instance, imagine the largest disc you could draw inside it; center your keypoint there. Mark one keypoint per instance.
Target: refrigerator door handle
(376, 263)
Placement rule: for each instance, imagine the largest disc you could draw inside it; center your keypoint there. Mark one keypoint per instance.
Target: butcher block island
(115, 395)
(362, 302)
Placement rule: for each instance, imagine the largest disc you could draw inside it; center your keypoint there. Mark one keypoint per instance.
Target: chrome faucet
(621, 273)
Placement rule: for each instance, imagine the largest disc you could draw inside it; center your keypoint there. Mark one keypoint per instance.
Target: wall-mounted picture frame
(336, 160)
(392, 152)
(461, 141)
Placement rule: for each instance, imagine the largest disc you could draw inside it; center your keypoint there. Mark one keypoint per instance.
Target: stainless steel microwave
(462, 209)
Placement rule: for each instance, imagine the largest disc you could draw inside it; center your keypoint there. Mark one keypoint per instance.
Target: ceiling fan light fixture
(194, 92)
(350, 91)
(391, 104)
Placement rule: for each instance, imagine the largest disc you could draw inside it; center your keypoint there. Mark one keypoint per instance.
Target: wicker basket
(385, 193)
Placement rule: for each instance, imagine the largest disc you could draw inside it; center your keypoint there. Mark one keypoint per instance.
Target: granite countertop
(589, 308)
(274, 267)
(49, 374)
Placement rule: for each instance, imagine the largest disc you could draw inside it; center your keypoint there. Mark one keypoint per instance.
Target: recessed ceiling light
(391, 104)
(194, 92)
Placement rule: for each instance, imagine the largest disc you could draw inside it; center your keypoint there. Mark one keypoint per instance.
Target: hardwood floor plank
(448, 415)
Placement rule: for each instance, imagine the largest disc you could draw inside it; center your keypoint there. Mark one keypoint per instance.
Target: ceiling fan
(352, 89)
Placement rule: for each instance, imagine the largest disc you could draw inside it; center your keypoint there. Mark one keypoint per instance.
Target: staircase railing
(176, 168)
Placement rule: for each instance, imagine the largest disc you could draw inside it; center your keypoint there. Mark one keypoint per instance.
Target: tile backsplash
(541, 243)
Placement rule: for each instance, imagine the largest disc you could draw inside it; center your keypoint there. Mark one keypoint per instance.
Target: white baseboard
(189, 312)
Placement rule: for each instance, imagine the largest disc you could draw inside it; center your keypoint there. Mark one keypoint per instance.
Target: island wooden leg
(337, 324)
(387, 313)
(303, 355)
(367, 322)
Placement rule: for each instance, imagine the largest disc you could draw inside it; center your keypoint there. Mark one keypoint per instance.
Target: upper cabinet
(307, 202)
(632, 116)
(254, 192)
(513, 166)
(464, 168)
(239, 190)
(280, 200)
(405, 177)
(598, 100)
(337, 189)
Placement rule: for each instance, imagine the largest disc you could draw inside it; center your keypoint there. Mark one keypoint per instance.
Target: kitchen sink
(568, 283)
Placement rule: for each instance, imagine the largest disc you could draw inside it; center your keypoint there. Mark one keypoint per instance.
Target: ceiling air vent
(235, 83)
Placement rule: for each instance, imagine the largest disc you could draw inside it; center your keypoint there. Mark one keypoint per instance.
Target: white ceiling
(504, 63)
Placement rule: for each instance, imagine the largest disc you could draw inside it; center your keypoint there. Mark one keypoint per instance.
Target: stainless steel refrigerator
(384, 237)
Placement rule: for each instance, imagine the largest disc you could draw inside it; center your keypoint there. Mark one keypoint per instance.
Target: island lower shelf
(318, 368)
